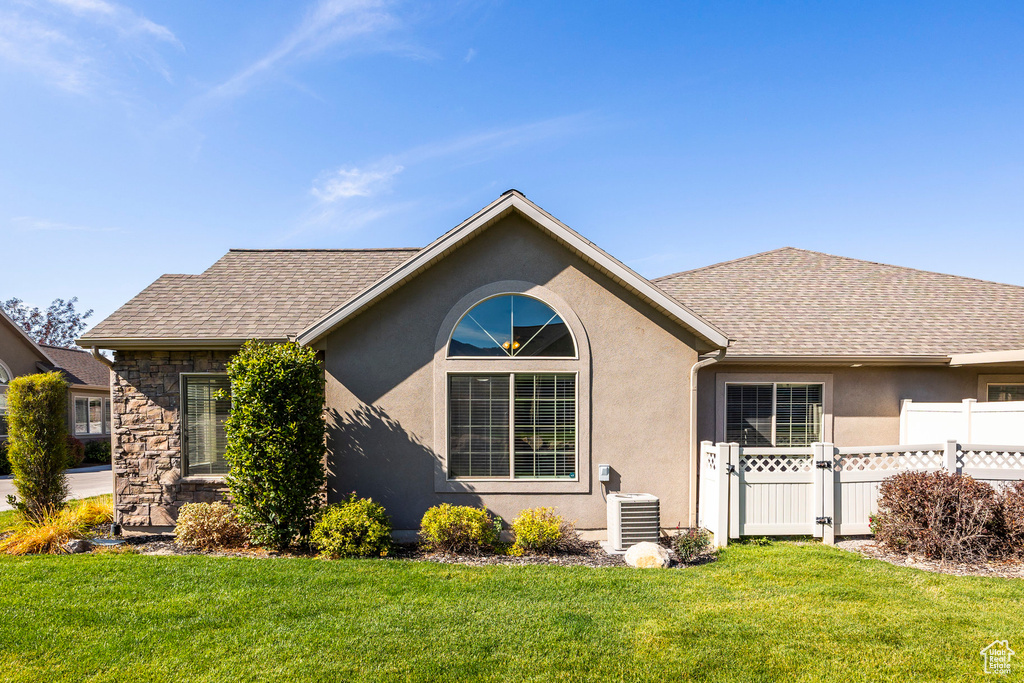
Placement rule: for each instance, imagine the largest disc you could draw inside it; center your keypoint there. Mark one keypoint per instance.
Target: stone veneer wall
(149, 488)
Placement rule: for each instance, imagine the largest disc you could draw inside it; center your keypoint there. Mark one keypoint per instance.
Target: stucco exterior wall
(865, 400)
(380, 372)
(17, 354)
(146, 440)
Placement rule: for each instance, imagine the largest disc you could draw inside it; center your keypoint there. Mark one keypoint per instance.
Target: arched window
(516, 418)
(5, 375)
(512, 325)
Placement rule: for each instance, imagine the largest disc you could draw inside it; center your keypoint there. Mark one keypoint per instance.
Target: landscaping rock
(78, 545)
(648, 554)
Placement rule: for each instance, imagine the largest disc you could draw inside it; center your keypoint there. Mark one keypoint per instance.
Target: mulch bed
(591, 555)
(1007, 569)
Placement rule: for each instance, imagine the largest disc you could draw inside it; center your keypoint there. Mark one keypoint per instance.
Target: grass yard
(780, 613)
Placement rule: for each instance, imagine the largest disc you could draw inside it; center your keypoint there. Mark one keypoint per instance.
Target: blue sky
(143, 138)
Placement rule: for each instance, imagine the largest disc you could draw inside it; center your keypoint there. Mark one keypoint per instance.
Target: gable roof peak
(514, 200)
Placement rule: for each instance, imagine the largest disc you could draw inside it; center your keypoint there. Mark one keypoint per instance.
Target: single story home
(503, 363)
(88, 407)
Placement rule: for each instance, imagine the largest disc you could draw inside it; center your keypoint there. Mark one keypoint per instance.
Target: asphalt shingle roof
(794, 302)
(265, 293)
(79, 367)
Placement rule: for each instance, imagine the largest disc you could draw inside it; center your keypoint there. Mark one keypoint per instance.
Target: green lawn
(778, 613)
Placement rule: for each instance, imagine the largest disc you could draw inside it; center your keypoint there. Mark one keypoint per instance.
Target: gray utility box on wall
(633, 518)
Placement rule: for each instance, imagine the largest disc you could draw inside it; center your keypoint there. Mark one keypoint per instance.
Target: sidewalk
(84, 482)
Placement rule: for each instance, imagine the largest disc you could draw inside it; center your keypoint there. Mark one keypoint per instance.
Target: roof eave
(825, 359)
(142, 343)
(497, 209)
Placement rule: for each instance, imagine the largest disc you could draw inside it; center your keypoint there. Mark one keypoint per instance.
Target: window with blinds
(92, 415)
(3, 412)
(773, 414)
(749, 411)
(478, 410)
(515, 425)
(1006, 392)
(545, 426)
(203, 424)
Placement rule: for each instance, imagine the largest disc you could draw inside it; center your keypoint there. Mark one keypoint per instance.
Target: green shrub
(98, 452)
(690, 543)
(76, 451)
(542, 530)
(208, 526)
(276, 440)
(37, 443)
(458, 529)
(355, 527)
(5, 464)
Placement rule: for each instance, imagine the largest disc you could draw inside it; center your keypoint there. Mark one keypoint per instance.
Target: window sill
(204, 479)
(443, 485)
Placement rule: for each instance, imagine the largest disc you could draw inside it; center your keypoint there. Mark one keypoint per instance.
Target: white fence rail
(822, 490)
(967, 421)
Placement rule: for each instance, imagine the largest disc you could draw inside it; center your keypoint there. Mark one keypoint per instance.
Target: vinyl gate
(822, 490)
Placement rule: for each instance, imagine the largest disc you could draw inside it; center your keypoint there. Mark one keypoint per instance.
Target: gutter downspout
(694, 455)
(101, 358)
(115, 528)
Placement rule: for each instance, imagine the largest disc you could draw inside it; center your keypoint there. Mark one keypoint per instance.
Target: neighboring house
(501, 364)
(88, 409)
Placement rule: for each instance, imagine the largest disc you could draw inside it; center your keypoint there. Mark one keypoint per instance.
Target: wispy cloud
(327, 24)
(346, 183)
(353, 196)
(69, 43)
(30, 224)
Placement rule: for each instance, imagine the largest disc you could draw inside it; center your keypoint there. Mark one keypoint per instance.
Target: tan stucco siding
(865, 400)
(381, 388)
(16, 353)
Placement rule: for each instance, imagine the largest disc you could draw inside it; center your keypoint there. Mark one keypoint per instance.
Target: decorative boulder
(648, 554)
(77, 545)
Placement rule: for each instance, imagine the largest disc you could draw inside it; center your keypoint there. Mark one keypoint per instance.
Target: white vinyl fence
(967, 421)
(822, 490)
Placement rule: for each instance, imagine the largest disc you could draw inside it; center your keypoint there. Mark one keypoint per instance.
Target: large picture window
(203, 419)
(773, 414)
(512, 425)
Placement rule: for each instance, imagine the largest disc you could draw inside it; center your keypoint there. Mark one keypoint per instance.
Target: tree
(58, 325)
(37, 444)
(276, 440)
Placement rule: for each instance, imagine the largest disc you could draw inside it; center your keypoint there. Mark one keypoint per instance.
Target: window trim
(511, 426)
(722, 379)
(580, 365)
(576, 348)
(985, 380)
(183, 431)
(7, 371)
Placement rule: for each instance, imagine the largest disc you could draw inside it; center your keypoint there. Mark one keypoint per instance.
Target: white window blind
(203, 420)
(773, 414)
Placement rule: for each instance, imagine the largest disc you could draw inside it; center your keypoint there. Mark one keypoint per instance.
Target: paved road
(85, 482)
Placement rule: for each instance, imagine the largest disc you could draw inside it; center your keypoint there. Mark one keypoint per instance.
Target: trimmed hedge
(276, 441)
(459, 529)
(542, 530)
(37, 443)
(355, 527)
